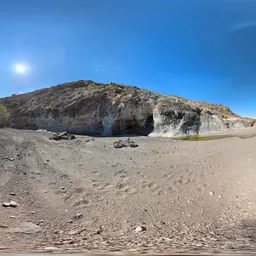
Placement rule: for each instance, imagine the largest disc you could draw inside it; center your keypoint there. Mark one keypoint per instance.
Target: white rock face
(180, 122)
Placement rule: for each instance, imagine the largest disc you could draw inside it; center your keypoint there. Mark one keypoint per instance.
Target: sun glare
(20, 68)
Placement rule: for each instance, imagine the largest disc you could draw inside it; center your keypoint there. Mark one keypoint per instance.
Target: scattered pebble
(40, 222)
(51, 248)
(78, 216)
(26, 228)
(99, 231)
(90, 139)
(73, 232)
(13, 204)
(6, 204)
(3, 248)
(140, 229)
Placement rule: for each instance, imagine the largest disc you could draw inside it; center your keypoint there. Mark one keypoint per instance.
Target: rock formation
(85, 107)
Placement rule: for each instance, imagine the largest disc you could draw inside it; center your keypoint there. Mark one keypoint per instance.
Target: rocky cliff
(85, 107)
(177, 117)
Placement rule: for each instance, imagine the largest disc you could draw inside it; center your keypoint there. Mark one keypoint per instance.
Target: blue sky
(197, 49)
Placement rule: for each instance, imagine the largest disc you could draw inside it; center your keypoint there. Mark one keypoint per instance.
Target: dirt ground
(163, 196)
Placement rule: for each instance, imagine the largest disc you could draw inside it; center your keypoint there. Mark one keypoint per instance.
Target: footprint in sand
(167, 175)
(95, 184)
(106, 187)
(78, 190)
(148, 185)
(130, 190)
(201, 188)
(96, 173)
(121, 186)
(80, 202)
(184, 181)
(120, 174)
(171, 189)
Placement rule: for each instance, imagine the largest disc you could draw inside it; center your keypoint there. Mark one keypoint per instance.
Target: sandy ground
(88, 196)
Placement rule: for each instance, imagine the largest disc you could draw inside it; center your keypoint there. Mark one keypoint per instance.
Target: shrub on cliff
(4, 116)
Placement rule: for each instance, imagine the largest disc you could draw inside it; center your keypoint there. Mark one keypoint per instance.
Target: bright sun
(20, 68)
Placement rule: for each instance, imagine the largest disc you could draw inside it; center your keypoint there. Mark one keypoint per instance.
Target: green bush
(224, 117)
(4, 116)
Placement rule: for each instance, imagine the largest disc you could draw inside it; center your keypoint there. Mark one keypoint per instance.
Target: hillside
(86, 107)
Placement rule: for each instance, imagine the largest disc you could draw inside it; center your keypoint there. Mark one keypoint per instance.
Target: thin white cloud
(243, 25)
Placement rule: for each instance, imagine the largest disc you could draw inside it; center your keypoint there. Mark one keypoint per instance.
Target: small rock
(68, 241)
(2, 248)
(90, 139)
(58, 243)
(26, 228)
(51, 248)
(99, 231)
(140, 229)
(211, 193)
(40, 222)
(6, 204)
(12, 217)
(12, 194)
(45, 191)
(32, 212)
(11, 159)
(73, 232)
(220, 196)
(13, 204)
(78, 216)
(62, 188)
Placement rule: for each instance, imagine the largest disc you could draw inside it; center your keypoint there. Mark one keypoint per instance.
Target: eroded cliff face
(85, 107)
(174, 117)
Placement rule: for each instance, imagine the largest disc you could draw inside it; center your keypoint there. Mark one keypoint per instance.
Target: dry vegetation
(63, 95)
(4, 116)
